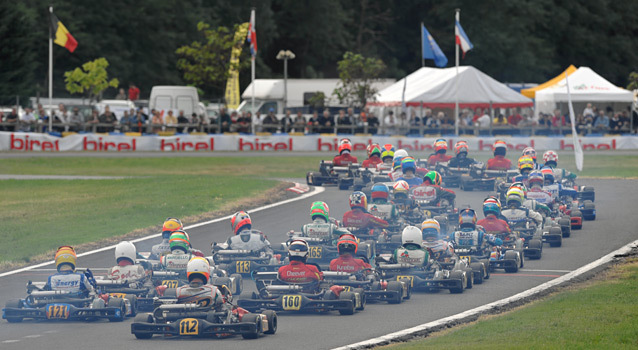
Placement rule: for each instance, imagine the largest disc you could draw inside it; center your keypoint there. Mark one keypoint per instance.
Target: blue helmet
(408, 163)
(380, 191)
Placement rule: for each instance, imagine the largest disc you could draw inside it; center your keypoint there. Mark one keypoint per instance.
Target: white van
(116, 107)
(176, 98)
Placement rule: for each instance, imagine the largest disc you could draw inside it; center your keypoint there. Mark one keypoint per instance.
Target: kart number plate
(411, 278)
(427, 213)
(242, 266)
(117, 295)
(189, 326)
(57, 312)
(291, 302)
(469, 258)
(316, 252)
(347, 288)
(169, 283)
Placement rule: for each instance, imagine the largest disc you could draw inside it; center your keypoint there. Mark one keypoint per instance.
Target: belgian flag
(61, 35)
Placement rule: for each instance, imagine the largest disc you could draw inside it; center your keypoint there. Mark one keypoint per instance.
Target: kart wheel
(252, 318)
(458, 275)
(362, 295)
(143, 318)
(343, 185)
(511, 255)
(536, 244)
(558, 232)
(238, 283)
(271, 316)
(577, 213)
(120, 304)
(588, 192)
(470, 278)
(222, 281)
(589, 206)
(348, 296)
(480, 272)
(133, 302)
(395, 286)
(566, 227)
(14, 303)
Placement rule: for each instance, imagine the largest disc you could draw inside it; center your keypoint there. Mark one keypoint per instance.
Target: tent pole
(456, 100)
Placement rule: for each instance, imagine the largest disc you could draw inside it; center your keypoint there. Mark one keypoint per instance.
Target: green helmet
(320, 209)
(179, 240)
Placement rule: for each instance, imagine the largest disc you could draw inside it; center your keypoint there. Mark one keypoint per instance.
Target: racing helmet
(411, 235)
(387, 151)
(548, 175)
(179, 240)
(401, 189)
(171, 225)
(433, 177)
(440, 146)
(530, 152)
(345, 146)
(525, 164)
(373, 149)
(430, 228)
(358, 199)
(65, 258)
(550, 158)
(320, 210)
(347, 243)
(198, 267)
(298, 250)
(515, 197)
(467, 218)
(500, 148)
(125, 250)
(461, 147)
(494, 198)
(240, 221)
(380, 191)
(408, 163)
(535, 177)
(396, 163)
(491, 206)
(400, 153)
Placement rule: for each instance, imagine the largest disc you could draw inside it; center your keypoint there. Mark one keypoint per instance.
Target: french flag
(252, 35)
(461, 38)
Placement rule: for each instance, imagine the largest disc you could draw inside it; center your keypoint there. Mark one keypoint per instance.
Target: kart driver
(198, 291)
(516, 211)
(66, 279)
(374, 156)
(126, 270)
(181, 252)
(441, 250)
(397, 172)
(380, 206)
(551, 159)
(245, 237)
(530, 203)
(531, 152)
(525, 165)
(170, 225)
(461, 160)
(347, 246)
(411, 250)
(433, 179)
(408, 169)
(471, 234)
(387, 156)
(359, 217)
(297, 271)
(554, 188)
(344, 158)
(321, 226)
(536, 192)
(492, 222)
(402, 198)
(499, 162)
(440, 150)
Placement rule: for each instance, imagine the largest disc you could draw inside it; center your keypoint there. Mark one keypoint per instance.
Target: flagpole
(50, 73)
(252, 67)
(422, 58)
(456, 102)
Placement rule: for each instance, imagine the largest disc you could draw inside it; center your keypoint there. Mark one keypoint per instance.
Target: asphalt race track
(615, 226)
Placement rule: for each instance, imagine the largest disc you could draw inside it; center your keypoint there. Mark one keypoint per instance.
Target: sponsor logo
(29, 144)
(256, 145)
(588, 146)
(178, 145)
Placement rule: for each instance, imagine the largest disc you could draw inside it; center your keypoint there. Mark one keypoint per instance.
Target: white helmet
(411, 234)
(125, 250)
(198, 266)
(400, 153)
(298, 250)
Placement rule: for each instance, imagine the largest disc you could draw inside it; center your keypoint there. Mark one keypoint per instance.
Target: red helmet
(439, 145)
(372, 149)
(500, 148)
(240, 221)
(345, 146)
(460, 146)
(347, 243)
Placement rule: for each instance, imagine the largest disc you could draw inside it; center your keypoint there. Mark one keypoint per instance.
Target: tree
(357, 73)
(633, 81)
(206, 64)
(18, 57)
(91, 79)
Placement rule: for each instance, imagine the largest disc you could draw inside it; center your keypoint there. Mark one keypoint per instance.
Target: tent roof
(531, 92)
(435, 87)
(585, 85)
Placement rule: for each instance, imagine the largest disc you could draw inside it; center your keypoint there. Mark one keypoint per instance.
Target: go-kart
(138, 295)
(430, 278)
(481, 178)
(244, 262)
(279, 295)
(174, 279)
(510, 258)
(532, 239)
(323, 251)
(330, 174)
(374, 288)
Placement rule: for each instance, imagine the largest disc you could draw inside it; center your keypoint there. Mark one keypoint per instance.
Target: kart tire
(460, 276)
(348, 296)
(577, 213)
(271, 316)
(117, 303)
(362, 295)
(238, 281)
(133, 301)
(470, 278)
(222, 281)
(480, 268)
(14, 303)
(566, 227)
(511, 255)
(588, 192)
(536, 244)
(252, 318)
(343, 185)
(143, 318)
(556, 231)
(395, 286)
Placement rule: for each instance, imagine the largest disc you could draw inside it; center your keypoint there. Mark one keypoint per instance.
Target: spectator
(581, 124)
(389, 124)
(588, 111)
(515, 118)
(75, 119)
(225, 120)
(414, 122)
(170, 120)
(256, 122)
(484, 121)
(373, 122)
(157, 122)
(286, 122)
(615, 124)
(446, 122)
(427, 116)
(125, 122)
(270, 122)
(137, 120)
(121, 95)
(63, 115)
(356, 120)
(233, 118)
(313, 123)
(133, 92)
(243, 123)
(500, 121)
(181, 118)
(13, 119)
(299, 124)
(344, 120)
(435, 122)
(477, 115)
(602, 122)
(465, 120)
(325, 122)
(94, 119)
(28, 120)
(402, 123)
(107, 118)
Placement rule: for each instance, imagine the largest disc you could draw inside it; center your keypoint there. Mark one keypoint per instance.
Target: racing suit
(516, 214)
(205, 295)
(411, 254)
(372, 162)
(252, 240)
(499, 163)
(395, 175)
(560, 174)
(477, 237)
(438, 158)
(160, 249)
(299, 272)
(385, 211)
(175, 261)
(424, 192)
(344, 159)
(557, 190)
(494, 225)
(347, 263)
(134, 275)
(69, 281)
(318, 228)
(441, 250)
(539, 200)
(461, 162)
(360, 219)
(412, 181)
(521, 178)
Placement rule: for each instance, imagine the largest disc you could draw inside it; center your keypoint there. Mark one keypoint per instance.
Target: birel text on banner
(32, 142)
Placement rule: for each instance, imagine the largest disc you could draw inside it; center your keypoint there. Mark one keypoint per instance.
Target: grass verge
(600, 314)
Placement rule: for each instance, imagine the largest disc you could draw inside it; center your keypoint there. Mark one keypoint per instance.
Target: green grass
(600, 316)
(39, 215)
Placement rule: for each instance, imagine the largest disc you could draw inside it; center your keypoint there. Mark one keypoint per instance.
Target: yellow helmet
(65, 256)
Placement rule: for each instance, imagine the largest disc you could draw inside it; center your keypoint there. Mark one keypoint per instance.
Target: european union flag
(431, 50)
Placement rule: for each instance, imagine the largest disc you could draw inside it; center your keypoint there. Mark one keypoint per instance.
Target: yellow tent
(531, 92)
